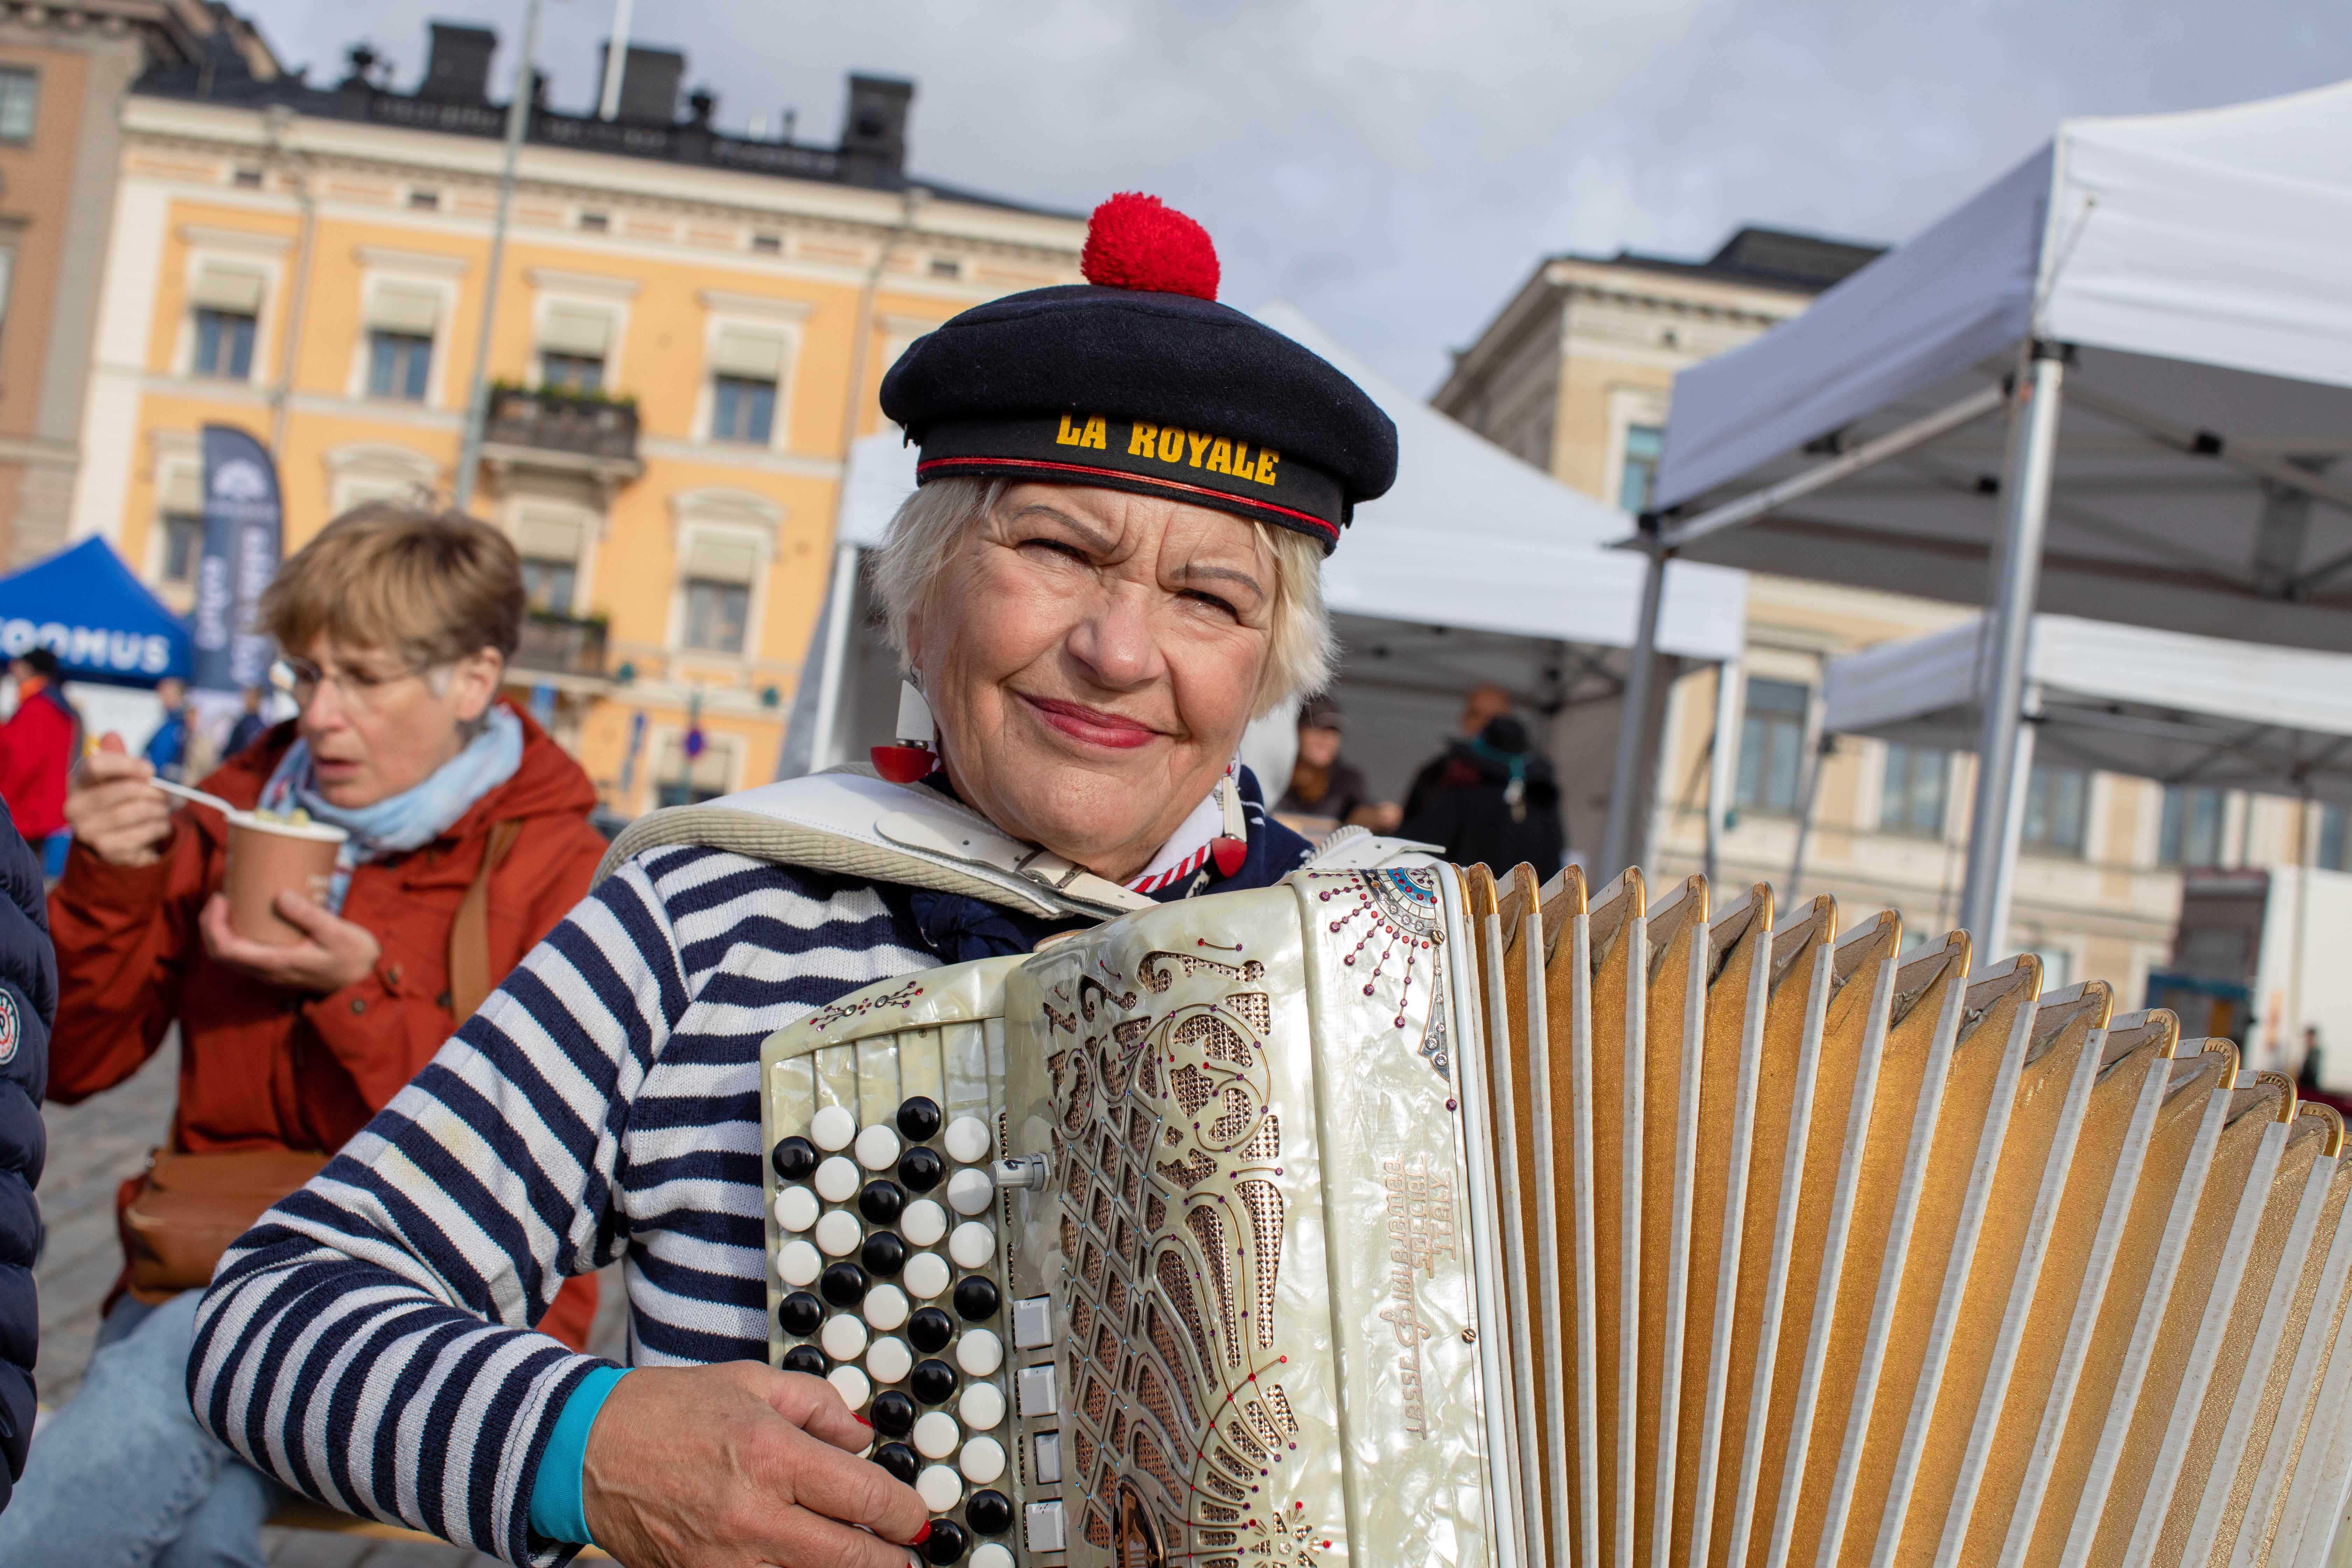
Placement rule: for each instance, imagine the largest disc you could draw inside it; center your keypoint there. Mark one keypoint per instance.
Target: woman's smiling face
(1091, 657)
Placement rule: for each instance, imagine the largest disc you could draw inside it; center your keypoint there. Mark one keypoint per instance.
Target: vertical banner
(244, 523)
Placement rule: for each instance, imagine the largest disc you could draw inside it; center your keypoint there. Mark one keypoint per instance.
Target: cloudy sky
(1394, 168)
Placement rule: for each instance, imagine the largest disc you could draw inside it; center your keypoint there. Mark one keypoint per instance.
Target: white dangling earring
(917, 752)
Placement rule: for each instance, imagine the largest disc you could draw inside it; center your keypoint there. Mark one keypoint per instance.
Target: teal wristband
(558, 1509)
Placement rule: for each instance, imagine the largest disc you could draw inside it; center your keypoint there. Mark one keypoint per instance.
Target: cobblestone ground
(92, 1146)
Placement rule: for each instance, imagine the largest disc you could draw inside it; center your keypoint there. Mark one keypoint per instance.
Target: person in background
(167, 748)
(1480, 705)
(29, 1004)
(1496, 800)
(249, 724)
(37, 751)
(1324, 789)
(469, 840)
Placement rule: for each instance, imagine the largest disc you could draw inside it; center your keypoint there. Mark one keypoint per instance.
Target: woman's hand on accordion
(735, 1465)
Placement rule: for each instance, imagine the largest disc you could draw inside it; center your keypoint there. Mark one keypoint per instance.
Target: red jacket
(36, 746)
(261, 1068)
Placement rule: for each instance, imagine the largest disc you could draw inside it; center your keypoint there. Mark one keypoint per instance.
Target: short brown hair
(436, 586)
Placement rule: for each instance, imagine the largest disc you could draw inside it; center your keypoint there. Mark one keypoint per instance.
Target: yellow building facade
(689, 331)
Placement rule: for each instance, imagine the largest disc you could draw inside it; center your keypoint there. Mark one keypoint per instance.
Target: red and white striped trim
(1176, 873)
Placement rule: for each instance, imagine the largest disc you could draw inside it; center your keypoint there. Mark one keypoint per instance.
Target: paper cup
(265, 855)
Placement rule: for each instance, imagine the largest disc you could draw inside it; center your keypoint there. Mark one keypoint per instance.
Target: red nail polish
(921, 1535)
(861, 1420)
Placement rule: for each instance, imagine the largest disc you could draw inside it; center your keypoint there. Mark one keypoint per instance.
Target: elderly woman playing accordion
(1110, 567)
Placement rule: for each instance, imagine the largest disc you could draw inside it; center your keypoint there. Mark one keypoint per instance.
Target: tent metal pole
(2025, 495)
(1894, 443)
(1637, 752)
(1819, 744)
(1723, 762)
(1995, 931)
(839, 607)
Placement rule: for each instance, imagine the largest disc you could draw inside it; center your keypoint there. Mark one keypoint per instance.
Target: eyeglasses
(300, 679)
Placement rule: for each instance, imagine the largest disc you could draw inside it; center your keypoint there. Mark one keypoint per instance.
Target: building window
(1637, 476)
(716, 614)
(1772, 745)
(596, 222)
(2191, 831)
(184, 541)
(945, 267)
(546, 585)
(424, 200)
(2057, 968)
(20, 95)
(577, 374)
(767, 244)
(743, 409)
(224, 344)
(2055, 806)
(2331, 844)
(1911, 798)
(245, 177)
(398, 364)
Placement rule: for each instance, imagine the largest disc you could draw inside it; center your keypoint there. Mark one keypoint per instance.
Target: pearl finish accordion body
(1401, 1217)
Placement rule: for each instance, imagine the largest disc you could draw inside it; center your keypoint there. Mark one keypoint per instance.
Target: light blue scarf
(411, 819)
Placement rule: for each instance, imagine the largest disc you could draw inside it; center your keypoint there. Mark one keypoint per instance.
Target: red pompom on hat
(1135, 241)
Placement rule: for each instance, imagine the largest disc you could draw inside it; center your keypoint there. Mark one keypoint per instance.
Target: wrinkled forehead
(1141, 528)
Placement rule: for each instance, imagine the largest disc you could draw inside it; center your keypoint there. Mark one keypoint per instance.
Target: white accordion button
(1046, 1528)
(972, 1244)
(850, 1384)
(968, 1190)
(927, 1276)
(1033, 1322)
(936, 1435)
(843, 1336)
(838, 1233)
(981, 1407)
(938, 1488)
(837, 1180)
(833, 1128)
(1048, 1447)
(923, 1223)
(967, 1139)
(886, 1308)
(798, 1263)
(982, 1460)
(889, 1360)
(797, 1208)
(876, 1148)
(979, 1352)
(989, 1554)
(1033, 1388)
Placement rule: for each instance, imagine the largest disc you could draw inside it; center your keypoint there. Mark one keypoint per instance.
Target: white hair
(930, 525)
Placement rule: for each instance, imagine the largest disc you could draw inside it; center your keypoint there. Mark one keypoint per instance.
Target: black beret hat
(1140, 381)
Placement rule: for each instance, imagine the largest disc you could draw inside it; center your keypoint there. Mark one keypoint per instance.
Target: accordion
(1406, 1217)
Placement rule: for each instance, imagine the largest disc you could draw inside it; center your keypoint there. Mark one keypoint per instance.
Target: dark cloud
(1394, 168)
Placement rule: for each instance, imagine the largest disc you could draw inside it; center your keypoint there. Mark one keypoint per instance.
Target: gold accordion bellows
(1402, 1217)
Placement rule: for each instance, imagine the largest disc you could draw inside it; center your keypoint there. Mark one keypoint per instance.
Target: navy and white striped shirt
(366, 1342)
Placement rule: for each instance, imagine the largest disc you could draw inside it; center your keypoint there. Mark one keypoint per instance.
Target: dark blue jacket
(29, 1004)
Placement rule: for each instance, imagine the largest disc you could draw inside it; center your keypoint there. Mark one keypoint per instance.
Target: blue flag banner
(244, 529)
(85, 605)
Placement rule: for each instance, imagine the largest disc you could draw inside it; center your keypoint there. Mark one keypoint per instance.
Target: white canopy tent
(2177, 282)
(1475, 568)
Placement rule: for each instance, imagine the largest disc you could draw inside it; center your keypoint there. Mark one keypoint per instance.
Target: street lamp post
(478, 394)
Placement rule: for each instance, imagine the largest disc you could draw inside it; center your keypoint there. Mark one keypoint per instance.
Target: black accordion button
(801, 1314)
(844, 1284)
(881, 1202)
(884, 1254)
(893, 1414)
(805, 1357)
(896, 1457)
(933, 1381)
(929, 1329)
(989, 1512)
(920, 1169)
(976, 1298)
(918, 1119)
(795, 1159)
(947, 1541)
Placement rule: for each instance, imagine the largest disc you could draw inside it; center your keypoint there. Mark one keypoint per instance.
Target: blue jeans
(124, 1477)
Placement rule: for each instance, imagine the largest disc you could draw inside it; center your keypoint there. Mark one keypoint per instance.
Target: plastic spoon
(199, 796)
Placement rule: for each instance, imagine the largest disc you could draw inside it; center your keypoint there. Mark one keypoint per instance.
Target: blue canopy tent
(85, 605)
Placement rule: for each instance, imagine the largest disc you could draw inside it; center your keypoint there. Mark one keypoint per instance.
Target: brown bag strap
(470, 934)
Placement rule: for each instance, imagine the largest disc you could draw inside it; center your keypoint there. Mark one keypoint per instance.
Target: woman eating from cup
(395, 849)
(1111, 564)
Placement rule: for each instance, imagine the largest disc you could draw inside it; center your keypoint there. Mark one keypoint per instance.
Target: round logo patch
(11, 1031)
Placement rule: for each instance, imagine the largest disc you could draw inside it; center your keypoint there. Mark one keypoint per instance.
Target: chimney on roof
(874, 130)
(460, 68)
(650, 79)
